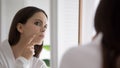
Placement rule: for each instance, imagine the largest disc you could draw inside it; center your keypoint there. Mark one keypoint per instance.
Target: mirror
(8, 9)
(62, 31)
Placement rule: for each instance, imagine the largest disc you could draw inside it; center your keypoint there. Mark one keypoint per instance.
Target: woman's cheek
(36, 29)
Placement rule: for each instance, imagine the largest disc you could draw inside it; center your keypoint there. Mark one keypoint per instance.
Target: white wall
(67, 25)
(0, 21)
(64, 28)
(88, 12)
(8, 10)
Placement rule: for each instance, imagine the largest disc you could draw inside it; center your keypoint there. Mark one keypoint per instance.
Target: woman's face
(35, 25)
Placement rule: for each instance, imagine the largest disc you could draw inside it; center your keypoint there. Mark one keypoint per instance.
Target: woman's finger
(33, 40)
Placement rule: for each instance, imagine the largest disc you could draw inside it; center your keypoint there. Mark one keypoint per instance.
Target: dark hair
(107, 21)
(21, 17)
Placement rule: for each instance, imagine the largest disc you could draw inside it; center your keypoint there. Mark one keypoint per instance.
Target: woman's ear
(20, 27)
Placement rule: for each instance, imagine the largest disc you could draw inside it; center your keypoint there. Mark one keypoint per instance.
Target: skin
(32, 33)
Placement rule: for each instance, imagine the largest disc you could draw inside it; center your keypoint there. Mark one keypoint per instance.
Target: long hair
(21, 17)
(107, 21)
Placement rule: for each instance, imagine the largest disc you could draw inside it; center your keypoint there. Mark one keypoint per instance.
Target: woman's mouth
(42, 36)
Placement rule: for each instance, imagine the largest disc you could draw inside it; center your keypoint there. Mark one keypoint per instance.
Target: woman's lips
(41, 35)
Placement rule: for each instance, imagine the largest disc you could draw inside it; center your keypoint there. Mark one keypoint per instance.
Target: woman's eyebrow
(39, 20)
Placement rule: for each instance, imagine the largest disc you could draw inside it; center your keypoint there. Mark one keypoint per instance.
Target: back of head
(107, 21)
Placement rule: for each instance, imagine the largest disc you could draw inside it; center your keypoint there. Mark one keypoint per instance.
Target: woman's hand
(28, 50)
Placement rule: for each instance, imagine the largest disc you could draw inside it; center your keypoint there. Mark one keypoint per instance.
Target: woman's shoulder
(3, 46)
(89, 50)
(84, 50)
(83, 55)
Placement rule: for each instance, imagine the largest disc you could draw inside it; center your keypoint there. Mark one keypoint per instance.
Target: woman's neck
(18, 48)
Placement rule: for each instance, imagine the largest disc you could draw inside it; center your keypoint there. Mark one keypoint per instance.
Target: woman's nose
(43, 29)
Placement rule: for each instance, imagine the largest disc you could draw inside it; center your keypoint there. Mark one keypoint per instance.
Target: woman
(104, 50)
(23, 47)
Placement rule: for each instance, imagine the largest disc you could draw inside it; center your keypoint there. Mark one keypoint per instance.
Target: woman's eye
(38, 23)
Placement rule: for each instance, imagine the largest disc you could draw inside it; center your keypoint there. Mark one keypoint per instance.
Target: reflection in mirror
(63, 25)
(9, 8)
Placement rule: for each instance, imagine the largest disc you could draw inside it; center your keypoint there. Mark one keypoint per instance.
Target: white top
(7, 59)
(87, 56)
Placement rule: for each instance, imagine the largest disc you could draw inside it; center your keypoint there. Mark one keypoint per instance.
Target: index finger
(31, 40)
